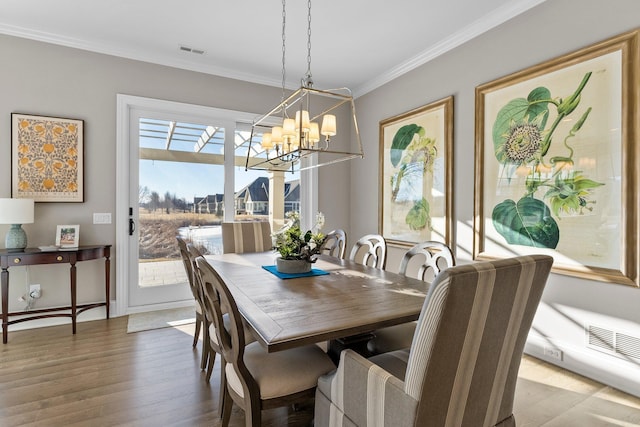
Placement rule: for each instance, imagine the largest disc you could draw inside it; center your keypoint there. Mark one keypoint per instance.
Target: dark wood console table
(35, 256)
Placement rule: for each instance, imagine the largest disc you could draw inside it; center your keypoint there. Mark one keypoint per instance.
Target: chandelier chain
(284, 26)
(309, 40)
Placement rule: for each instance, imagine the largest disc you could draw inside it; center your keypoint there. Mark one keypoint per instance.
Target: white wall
(554, 28)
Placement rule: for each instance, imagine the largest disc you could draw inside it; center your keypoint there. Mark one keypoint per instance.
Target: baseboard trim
(613, 371)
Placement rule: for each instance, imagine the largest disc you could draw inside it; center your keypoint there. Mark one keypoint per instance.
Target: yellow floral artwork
(47, 155)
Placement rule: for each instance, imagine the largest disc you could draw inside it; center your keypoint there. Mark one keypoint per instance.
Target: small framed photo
(67, 236)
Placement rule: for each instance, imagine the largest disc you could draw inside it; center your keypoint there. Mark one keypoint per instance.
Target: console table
(35, 256)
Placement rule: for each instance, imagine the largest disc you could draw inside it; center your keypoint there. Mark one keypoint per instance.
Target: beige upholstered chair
(241, 237)
(463, 363)
(188, 266)
(370, 250)
(336, 244)
(434, 257)
(258, 380)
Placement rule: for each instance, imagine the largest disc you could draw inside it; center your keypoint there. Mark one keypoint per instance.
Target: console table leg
(107, 279)
(73, 296)
(5, 304)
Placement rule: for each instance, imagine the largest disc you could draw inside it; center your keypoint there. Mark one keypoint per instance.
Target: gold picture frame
(416, 175)
(557, 162)
(47, 158)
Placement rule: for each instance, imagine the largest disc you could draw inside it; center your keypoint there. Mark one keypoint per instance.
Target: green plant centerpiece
(297, 249)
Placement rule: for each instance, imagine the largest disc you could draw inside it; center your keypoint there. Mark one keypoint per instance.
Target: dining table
(343, 303)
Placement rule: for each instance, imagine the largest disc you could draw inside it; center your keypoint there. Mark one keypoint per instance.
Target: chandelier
(302, 124)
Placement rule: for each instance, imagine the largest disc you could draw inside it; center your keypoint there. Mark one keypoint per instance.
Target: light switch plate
(102, 218)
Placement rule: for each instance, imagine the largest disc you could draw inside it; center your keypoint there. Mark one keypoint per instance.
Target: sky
(189, 180)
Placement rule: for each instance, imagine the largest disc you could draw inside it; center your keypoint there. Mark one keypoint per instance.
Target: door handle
(132, 226)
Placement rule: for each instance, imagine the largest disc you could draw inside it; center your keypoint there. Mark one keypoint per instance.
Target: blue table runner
(314, 272)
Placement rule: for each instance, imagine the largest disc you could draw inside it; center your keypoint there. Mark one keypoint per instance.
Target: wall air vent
(613, 342)
(191, 50)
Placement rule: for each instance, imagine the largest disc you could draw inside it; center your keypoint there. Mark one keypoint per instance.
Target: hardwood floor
(103, 376)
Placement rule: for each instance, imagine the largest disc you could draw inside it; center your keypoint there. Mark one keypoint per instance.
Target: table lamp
(16, 212)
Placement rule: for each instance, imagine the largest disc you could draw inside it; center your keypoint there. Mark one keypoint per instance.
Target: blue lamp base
(16, 238)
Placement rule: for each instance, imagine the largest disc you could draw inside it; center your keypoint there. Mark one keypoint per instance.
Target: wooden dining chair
(211, 345)
(371, 250)
(188, 266)
(335, 244)
(255, 379)
(246, 236)
(462, 367)
(428, 259)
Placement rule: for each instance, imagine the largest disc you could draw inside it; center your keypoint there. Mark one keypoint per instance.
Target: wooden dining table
(350, 301)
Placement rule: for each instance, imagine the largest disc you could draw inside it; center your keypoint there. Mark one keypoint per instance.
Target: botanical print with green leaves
(521, 141)
(412, 155)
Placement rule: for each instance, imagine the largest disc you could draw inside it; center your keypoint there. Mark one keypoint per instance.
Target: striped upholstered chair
(240, 237)
(462, 367)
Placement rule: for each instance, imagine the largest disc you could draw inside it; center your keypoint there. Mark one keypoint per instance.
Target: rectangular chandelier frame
(286, 158)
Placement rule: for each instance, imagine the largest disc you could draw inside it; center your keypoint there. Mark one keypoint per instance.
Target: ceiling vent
(613, 342)
(191, 50)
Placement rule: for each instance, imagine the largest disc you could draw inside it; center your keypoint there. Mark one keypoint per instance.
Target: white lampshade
(328, 125)
(276, 135)
(16, 211)
(304, 123)
(288, 127)
(267, 143)
(314, 133)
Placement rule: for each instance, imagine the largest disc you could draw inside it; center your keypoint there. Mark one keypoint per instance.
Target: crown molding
(470, 32)
(473, 30)
(117, 51)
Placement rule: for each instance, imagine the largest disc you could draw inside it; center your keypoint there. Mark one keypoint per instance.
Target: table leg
(73, 296)
(358, 343)
(5, 304)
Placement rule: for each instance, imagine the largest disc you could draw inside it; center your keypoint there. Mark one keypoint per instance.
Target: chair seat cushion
(198, 307)
(394, 362)
(283, 372)
(392, 338)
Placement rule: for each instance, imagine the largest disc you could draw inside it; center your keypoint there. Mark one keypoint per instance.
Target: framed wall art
(557, 162)
(46, 158)
(416, 174)
(67, 236)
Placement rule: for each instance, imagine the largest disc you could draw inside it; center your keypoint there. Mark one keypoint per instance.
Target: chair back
(371, 250)
(240, 237)
(466, 351)
(335, 244)
(436, 257)
(188, 266)
(192, 253)
(231, 338)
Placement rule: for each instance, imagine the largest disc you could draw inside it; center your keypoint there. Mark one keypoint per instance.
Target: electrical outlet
(34, 291)
(102, 218)
(553, 353)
